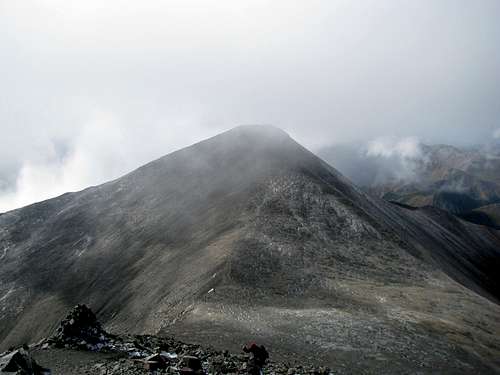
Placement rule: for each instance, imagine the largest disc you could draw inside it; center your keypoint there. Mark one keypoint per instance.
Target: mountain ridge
(248, 234)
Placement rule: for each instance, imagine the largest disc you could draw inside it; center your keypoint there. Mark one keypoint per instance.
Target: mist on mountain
(458, 179)
(249, 234)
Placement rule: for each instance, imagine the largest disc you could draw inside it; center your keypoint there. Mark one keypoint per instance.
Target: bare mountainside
(248, 235)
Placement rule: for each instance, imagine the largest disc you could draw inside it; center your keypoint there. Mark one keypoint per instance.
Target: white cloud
(96, 155)
(173, 72)
(101, 149)
(406, 148)
(396, 159)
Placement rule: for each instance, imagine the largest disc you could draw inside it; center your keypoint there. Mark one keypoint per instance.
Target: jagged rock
(80, 328)
(22, 363)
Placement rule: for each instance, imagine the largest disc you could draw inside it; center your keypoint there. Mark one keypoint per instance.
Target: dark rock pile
(80, 329)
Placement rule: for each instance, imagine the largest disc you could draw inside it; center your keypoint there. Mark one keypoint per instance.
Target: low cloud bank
(101, 149)
(381, 160)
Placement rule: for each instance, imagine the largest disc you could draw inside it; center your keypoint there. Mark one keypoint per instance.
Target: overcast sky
(92, 89)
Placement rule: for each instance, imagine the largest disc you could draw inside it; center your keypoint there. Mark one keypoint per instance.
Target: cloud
(496, 134)
(405, 148)
(379, 161)
(101, 150)
(96, 154)
(397, 159)
(151, 77)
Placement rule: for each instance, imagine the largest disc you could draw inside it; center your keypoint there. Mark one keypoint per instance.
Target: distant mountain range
(459, 180)
(249, 236)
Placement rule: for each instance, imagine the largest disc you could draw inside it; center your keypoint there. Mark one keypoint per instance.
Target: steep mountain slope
(488, 215)
(454, 191)
(247, 235)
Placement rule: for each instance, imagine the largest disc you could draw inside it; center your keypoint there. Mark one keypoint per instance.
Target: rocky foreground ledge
(82, 346)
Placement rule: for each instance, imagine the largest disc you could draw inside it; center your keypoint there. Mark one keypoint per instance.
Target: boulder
(22, 363)
(80, 328)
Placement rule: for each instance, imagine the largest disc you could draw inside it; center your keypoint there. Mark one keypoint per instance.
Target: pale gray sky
(92, 89)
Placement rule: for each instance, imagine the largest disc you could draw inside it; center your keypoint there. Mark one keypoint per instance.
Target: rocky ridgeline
(146, 354)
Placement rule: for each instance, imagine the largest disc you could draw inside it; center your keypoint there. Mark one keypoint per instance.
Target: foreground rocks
(21, 362)
(146, 354)
(80, 332)
(80, 329)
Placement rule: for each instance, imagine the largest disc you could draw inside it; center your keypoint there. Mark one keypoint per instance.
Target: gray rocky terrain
(81, 346)
(249, 236)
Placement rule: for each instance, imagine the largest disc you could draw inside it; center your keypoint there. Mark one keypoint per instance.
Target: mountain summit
(249, 235)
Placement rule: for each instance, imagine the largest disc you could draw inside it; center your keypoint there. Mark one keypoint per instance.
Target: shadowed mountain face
(486, 215)
(248, 235)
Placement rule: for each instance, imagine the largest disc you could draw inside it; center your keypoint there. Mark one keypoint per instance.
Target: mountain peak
(254, 149)
(252, 135)
(248, 224)
(262, 130)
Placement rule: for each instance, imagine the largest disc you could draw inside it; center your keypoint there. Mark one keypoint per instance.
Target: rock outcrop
(80, 328)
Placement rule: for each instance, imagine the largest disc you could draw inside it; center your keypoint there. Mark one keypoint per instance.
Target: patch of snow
(6, 295)
(4, 252)
(169, 355)
(381, 299)
(82, 245)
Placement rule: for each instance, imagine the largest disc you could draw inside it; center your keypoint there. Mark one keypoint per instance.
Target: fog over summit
(91, 91)
(249, 235)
